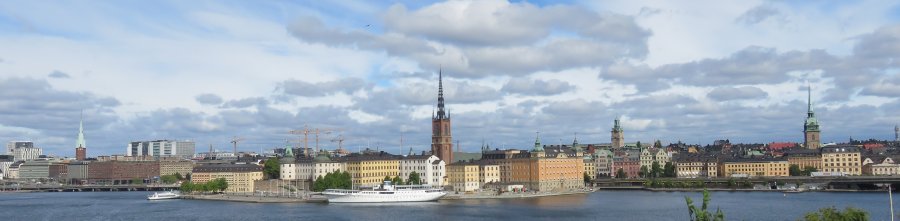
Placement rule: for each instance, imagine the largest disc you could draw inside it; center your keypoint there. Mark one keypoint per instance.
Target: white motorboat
(163, 195)
(386, 193)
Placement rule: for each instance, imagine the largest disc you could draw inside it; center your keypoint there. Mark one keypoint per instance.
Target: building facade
(430, 168)
(696, 165)
(880, 166)
(804, 158)
(161, 148)
(628, 161)
(368, 170)
(650, 155)
(755, 167)
(845, 159)
(171, 167)
(603, 160)
(122, 172)
(441, 136)
(241, 178)
(463, 176)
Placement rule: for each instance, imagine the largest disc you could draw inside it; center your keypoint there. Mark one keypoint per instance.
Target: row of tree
(794, 170)
(170, 179)
(655, 171)
(703, 213)
(216, 185)
(333, 180)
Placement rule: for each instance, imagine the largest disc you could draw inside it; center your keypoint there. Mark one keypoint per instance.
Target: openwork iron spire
(441, 113)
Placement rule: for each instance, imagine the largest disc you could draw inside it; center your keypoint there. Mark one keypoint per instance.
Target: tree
(168, 179)
(832, 214)
(187, 187)
(731, 182)
(655, 169)
(221, 184)
(587, 178)
(638, 144)
(621, 173)
(414, 178)
(702, 214)
(644, 172)
(137, 181)
(657, 144)
(808, 170)
(272, 168)
(397, 180)
(669, 170)
(178, 176)
(794, 170)
(319, 184)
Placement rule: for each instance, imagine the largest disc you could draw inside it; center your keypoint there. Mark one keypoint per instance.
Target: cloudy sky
(693, 71)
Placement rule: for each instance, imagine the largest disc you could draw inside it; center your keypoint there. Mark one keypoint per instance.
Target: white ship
(163, 196)
(386, 193)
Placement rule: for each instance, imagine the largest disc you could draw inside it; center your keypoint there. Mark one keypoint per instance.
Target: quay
(255, 198)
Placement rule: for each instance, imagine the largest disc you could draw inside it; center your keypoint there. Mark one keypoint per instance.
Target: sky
(208, 71)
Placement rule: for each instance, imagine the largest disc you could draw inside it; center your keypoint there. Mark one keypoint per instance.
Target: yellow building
(368, 170)
(555, 168)
(590, 168)
(804, 158)
(753, 167)
(463, 176)
(845, 159)
(240, 177)
(488, 174)
(171, 167)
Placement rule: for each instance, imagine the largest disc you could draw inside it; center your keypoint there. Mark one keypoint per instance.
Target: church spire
(809, 110)
(80, 141)
(537, 142)
(441, 113)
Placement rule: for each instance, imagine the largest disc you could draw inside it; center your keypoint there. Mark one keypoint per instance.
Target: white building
(603, 163)
(163, 148)
(12, 145)
(650, 155)
(430, 169)
(308, 169)
(27, 153)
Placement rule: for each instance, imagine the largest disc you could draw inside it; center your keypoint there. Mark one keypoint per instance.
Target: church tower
(80, 148)
(811, 127)
(618, 140)
(896, 133)
(441, 139)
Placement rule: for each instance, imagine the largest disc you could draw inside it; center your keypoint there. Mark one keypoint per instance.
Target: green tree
(187, 187)
(387, 178)
(346, 181)
(657, 144)
(794, 170)
(221, 184)
(655, 169)
(808, 170)
(168, 179)
(587, 178)
(638, 144)
(319, 184)
(701, 214)
(669, 170)
(832, 214)
(414, 178)
(397, 180)
(178, 176)
(644, 172)
(137, 181)
(272, 168)
(731, 183)
(620, 173)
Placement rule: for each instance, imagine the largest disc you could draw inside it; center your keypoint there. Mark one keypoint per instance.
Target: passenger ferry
(385, 193)
(163, 196)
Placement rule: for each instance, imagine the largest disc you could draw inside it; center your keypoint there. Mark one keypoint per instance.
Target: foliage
(272, 168)
(187, 187)
(638, 144)
(655, 169)
(832, 214)
(168, 179)
(387, 178)
(334, 180)
(137, 181)
(794, 170)
(657, 144)
(215, 185)
(621, 173)
(702, 214)
(397, 180)
(731, 183)
(669, 170)
(808, 170)
(747, 184)
(644, 172)
(178, 176)
(587, 178)
(414, 178)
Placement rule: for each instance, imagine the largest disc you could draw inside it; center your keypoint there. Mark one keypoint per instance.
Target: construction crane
(340, 140)
(306, 131)
(234, 141)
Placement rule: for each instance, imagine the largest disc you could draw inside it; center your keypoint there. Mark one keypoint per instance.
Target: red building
(628, 161)
(122, 172)
(441, 138)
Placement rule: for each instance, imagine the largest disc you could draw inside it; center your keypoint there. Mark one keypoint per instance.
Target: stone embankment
(255, 199)
(508, 195)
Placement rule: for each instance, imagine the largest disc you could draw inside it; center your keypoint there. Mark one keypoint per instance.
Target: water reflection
(550, 201)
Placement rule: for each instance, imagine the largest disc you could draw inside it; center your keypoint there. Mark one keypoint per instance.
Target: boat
(794, 190)
(163, 196)
(385, 193)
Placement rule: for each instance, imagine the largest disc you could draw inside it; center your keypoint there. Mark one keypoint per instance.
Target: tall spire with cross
(80, 147)
(441, 137)
(441, 113)
(811, 125)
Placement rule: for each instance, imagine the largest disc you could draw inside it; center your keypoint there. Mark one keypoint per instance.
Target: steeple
(80, 141)
(811, 138)
(441, 113)
(575, 143)
(809, 111)
(616, 126)
(896, 133)
(537, 142)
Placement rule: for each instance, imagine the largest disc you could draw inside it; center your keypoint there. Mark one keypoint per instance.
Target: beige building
(695, 165)
(880, 166)
(845, 159)
(755, 167)
(805, 158)
(589, 167)
(549, 169)
(240, 177)
(171, 167)
(488, 174)
(650, 155)
(370, 169)
(464, 176)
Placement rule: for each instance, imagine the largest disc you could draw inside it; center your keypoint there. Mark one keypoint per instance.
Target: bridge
(844, 182)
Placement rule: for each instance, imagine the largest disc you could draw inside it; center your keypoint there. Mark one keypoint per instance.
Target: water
(604, 205)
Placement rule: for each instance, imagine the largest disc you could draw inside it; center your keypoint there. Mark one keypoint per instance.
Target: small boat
(385, 194)
(163, 196)
(794, 190)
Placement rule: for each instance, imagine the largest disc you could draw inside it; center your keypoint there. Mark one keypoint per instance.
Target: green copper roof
(537, 143)
(80, 141)
(811, 123)
(616, 126)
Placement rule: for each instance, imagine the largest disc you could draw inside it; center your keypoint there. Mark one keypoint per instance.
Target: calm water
(607, 205)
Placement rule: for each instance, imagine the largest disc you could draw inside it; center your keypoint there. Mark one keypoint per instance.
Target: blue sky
(693, 71)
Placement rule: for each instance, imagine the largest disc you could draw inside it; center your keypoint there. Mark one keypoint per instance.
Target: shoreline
(253, 199)
(726, 190)
(509, 196)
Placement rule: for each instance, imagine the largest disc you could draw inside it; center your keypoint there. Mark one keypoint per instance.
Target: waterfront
(603, 205)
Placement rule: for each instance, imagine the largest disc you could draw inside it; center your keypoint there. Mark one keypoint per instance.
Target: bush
(832, 214)
(701, 214)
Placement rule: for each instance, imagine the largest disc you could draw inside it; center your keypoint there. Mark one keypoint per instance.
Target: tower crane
(234, 141)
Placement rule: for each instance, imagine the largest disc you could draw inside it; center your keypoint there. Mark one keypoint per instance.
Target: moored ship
(385, 193)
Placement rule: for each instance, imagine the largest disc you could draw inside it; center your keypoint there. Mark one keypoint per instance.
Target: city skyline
(670, 71)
